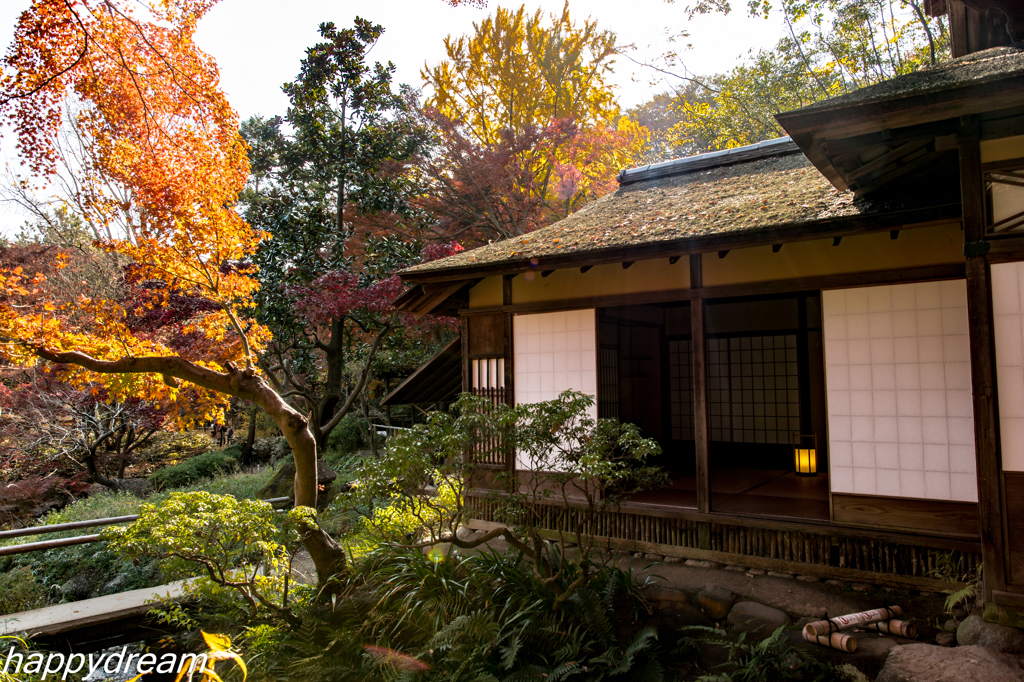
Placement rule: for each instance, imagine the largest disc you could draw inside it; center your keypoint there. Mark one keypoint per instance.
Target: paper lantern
(805, 455)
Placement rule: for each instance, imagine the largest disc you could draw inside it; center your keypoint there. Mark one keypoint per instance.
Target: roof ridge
(760, 150)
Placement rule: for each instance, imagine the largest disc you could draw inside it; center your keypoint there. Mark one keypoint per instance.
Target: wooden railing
(44, 545)
(489, 449)
(832, 551)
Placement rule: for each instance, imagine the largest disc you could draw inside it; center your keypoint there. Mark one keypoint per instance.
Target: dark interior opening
(766, 385)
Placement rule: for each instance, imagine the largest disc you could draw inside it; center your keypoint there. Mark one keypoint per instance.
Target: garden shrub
(346, 437)
(206, 465)
(19, 591)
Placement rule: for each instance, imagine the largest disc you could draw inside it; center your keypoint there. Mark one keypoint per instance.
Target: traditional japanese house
(847, 301)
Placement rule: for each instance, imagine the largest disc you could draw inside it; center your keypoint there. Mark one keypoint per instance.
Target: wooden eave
(930, 118)
(770, 235)
(439, 379)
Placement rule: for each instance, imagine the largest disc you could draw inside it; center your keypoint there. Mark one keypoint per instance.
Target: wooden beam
(701, 411)
(506, 289)
(1006, 164)
(764, 563)
(880, 162)
(983, 375)
(917, 160)
(841, 281)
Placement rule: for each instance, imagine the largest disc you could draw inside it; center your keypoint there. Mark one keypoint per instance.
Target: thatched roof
(691, 211)
(997, 63)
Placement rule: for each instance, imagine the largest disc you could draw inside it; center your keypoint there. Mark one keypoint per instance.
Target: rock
(808, 578)
(777, 574)
(862, 587)
(739, 569)
(930, 663)
(81, 586)
(638, 555)
(958, 614)
(716, 601)
(975, 631)
(672, 608)
(945, 639)
(836, 583)
(654, 557)
(697, 563)
(757, 619)
(756, 571)
(950, 625)
(283, 484)
(673, 560)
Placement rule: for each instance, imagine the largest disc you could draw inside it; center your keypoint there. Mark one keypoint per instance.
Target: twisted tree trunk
(328, 556)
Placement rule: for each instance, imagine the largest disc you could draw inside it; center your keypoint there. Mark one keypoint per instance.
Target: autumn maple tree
(159, 128)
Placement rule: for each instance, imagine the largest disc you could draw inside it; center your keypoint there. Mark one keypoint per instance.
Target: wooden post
(701, 418)
(983, 374)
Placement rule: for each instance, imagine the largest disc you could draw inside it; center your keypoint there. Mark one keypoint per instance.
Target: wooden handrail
(73, 525)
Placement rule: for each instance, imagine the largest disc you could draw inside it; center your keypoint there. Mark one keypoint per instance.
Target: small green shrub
(19, 591)
(206, 465)
(346, 437)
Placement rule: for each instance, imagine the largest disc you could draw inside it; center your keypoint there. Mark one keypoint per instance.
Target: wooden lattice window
(680, 366)
(753, 388)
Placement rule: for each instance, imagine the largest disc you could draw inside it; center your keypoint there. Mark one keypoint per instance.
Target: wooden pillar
(701, 416)
(510, 358)
(983, 371)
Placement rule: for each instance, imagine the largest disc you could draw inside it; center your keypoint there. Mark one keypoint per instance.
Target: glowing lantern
(805, 455)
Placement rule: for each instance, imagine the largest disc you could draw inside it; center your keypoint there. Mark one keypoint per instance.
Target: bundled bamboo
(899, 628)
(835, 640)
(852, 620)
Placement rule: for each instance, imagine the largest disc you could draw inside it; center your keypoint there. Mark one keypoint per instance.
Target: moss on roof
(974, 69)
(747, 197)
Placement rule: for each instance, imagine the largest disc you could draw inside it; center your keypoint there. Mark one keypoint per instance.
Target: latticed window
(753, 389)
(608, 382)
(487, 372)
(680, 371)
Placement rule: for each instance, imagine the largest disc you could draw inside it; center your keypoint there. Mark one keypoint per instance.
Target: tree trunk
(250, 436)
(327, 555)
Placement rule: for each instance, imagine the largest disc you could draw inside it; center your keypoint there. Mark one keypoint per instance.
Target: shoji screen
(554, 352)
(1008, 309)
(898, 382)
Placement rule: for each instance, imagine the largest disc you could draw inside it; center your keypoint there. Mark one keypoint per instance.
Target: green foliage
(346, 438)
(474, 617)
(194, 469)
(19, 591)
(590, 466)
(240, 544)
(772, 658)
(964, 583)
(833, 47)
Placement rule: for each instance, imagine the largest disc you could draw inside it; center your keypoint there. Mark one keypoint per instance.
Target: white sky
(258, 43)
